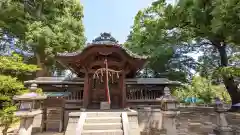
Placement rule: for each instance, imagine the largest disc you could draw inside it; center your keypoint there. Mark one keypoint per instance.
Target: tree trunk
(43, 72)
(4, 131)
(229, 83)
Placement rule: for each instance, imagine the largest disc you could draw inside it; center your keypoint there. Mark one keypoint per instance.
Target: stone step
(103, 120)
(182, 134)
(104, 114)
(193, 124)
(102, 126)
(102, 132)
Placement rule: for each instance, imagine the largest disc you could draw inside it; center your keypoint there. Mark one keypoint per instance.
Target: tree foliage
(203, 89)
(148, 37)
(15, 64)
(43, 27)
(213, 23)
(10, 85)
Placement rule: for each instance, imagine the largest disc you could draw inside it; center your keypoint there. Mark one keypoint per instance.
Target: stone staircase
(103, 123)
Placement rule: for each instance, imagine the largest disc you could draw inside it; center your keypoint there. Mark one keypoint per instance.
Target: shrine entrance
(105, 86)
(98, 94)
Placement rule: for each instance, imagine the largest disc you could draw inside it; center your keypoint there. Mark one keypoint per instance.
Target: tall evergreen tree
(43, 27)
(12, 69)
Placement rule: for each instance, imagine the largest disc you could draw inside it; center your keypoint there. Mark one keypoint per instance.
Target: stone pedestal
(104, 106)
(26, 121)
(223, 127)
(131, 119)
(26, 126)
(223, 131)
(169, 122)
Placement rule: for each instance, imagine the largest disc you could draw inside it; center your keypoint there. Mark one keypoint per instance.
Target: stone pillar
(222, 127)
(26, 124)
(169, 119)
(169, 110)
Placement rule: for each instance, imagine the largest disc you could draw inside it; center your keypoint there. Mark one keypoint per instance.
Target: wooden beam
(86, 90)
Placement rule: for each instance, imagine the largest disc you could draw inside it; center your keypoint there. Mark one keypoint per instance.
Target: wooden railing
(140, 93)
(75, 96)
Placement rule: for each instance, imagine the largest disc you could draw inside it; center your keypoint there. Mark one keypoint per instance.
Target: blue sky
(114, 16)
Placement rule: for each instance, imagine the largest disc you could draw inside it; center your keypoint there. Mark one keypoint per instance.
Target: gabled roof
(105, 39)
(104, 45)
(90, 45)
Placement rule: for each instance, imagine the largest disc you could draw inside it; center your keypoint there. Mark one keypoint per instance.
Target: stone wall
(66, 117)
(190, 121)
(133, 123)
(149, 119)
(72, 123)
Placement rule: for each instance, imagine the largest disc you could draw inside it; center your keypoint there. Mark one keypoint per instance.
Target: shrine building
(88, 89)
(105, 78)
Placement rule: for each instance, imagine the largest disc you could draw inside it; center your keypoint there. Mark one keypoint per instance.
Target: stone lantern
(222, 127)
(218, 107)
(29, 102)
(169, 110)
(168, 102)
(29, 105)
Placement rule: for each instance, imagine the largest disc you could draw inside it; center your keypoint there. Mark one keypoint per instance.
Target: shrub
(201, 88)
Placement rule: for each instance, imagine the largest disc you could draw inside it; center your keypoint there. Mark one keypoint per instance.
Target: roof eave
(130, 53)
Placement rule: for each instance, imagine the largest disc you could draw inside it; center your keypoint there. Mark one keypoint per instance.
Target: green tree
(210, 60)
(212, 22)
(43, 27)
(168, 58)
(10, 85)
(203, 89)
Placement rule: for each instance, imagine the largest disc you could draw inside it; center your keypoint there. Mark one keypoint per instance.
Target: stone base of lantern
(26, 126)
(169, 119)
(26, 121)
(223, 131)
(222, 127)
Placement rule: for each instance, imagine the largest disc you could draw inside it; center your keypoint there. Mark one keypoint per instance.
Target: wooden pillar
(86, 91)
(123, 87)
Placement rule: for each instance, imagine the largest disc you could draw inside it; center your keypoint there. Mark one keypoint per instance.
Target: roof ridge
(129, 52)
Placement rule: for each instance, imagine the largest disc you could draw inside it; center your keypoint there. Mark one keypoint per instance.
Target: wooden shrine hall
(106, 74)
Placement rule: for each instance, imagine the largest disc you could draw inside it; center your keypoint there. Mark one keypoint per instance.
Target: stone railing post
(169, 110)
(222, 126)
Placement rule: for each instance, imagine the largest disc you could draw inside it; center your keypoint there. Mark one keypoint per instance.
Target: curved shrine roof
(80, 57)
(90, 45)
